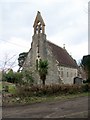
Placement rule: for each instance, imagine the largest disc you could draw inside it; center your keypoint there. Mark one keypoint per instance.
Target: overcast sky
(66, 23)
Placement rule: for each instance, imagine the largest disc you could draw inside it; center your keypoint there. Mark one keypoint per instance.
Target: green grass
(0, 86)
(34, 99)
(53, 98)
(11, 87)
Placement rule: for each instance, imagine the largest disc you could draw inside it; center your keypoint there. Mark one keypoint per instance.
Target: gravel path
(74, 108)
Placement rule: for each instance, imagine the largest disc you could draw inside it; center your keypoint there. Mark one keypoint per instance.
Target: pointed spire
(39, 24)
(39, 19)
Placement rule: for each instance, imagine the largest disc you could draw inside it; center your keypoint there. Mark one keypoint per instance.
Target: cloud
(66, 23)
(17, 42)
(77, 51)
(14, 46)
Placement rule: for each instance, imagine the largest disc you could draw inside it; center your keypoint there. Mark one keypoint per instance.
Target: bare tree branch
(8, 62)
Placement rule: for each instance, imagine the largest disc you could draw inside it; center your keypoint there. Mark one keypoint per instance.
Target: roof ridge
(55, 44)
(59, 47)
(62, 55)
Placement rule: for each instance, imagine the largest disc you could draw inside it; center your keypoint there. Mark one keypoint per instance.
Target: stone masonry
(62, 67)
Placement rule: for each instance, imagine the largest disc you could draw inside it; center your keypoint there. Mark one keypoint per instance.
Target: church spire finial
(39, 25)
(63, 46)
(38, 12)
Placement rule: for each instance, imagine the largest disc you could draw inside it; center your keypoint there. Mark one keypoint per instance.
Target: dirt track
(74, 108)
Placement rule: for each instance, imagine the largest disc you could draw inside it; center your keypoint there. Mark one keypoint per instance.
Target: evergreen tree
(21, 59)
(43, 70)
(85, 63)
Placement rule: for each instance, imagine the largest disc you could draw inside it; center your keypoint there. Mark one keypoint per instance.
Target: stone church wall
(54, 72)
(40, 49)
(68, 74)
(53, 76)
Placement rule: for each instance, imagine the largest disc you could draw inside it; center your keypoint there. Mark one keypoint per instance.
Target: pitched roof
(38, 19)
(62, 56)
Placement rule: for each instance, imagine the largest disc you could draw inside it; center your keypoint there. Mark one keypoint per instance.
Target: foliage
(12, 89)
(85, 63)
(43, 70)
(17, 100)
(86, 81)
(0, 86)
(8, 87)
(27, 75)
(24, 77)
(36, 93)
(4, 76)
(9, 77)
(12, 77)
(47, 90)
(86, 87)
(21, 59)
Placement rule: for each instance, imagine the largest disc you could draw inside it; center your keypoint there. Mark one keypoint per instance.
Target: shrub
(86, 81)
(38, 90)
(86, 87)
(6, 88)
(12, 89)
(27, 77)
(12, 77)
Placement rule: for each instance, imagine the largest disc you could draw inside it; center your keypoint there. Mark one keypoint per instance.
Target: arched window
(38, 28)
(71, 74)
(36, 64)
(61, 73)
(67, 74)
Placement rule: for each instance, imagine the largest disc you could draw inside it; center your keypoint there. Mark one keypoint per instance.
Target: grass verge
(0, 86)
(53, 98)
(34, 99)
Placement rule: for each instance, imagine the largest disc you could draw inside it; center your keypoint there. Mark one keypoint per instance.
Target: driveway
(73, 108)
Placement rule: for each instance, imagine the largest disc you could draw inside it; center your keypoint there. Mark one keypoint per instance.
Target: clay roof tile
(62, 56)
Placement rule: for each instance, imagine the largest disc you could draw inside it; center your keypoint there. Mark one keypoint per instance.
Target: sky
(66, 23)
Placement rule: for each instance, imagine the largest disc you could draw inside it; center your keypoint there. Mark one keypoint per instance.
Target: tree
(43, 70)
(21, 59)
(12, 77)
(85, 63)
(8, 62)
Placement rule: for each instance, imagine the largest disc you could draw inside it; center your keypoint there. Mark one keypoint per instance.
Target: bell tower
(39, 25)
(38, 40)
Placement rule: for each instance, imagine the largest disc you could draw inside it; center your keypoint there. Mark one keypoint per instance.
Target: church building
(62, 68)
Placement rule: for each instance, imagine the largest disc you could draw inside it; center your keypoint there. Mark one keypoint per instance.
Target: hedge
(38, 90)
